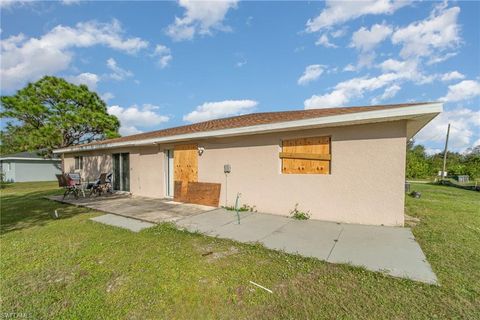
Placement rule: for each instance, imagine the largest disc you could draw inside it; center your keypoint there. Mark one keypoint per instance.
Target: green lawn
(74, 268)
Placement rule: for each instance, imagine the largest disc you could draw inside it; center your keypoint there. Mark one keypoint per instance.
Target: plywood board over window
(306, 156)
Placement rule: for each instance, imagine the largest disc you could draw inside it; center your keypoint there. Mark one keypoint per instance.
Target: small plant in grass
(298, 214)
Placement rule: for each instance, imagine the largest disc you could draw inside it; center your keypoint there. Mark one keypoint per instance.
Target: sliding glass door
(121, 172)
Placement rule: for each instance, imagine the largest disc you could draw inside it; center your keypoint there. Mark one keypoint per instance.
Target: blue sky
(163, 64)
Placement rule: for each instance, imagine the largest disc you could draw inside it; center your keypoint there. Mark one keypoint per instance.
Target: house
(340, 164)
(29, 166)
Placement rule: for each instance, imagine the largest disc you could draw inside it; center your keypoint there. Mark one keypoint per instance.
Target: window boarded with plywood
(185, 163)
(306, 156)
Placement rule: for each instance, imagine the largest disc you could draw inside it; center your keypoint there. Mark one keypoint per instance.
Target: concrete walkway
(123, 222)
(392, 250)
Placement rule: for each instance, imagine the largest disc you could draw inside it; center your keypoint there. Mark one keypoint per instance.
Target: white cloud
(467, 89)
(476, 143)
(389, 93)
(392, 65)
(394, 72)
(215, 110)
(133, 117)
(86, 78)
(440, 58)
(407, 70)
(324, 41)
(26, 60)
(117, 72)
(164, 61)
(366, 40)
(241, 60)
(200, 18)
(335, 98)
(7, 4)
(70, 2)
(241, 63)
(107, 96)
(86, 34)
(349, 68)
(432, 151)
(127, 131)
(299, 49)
(150, 107)
(354, 88)
(454, 75)
(337, 12)
(431, 36)
(463, 130)
(311, 73)
(339, 33)
(164, 55)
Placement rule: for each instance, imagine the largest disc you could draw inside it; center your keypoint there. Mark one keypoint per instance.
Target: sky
(163, 64)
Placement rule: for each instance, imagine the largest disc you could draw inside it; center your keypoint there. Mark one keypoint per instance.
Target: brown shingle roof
(251, 120)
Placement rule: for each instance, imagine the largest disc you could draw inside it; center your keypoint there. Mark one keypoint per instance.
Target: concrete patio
(141, 208)
(392, 250)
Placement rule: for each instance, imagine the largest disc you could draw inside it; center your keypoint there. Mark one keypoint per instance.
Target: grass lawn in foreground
(78, 269)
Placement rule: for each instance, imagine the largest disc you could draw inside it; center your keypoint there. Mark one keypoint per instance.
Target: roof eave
(407, 113)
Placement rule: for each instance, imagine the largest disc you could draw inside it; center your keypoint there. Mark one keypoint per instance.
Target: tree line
(420, 165)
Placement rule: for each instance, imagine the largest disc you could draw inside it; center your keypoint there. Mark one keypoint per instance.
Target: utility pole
(445, 154)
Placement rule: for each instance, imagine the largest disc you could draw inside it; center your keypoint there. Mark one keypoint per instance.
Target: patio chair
(102, 185)
(78, 182)
(64, 181)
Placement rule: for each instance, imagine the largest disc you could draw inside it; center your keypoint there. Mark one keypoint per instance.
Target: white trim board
(383, 115)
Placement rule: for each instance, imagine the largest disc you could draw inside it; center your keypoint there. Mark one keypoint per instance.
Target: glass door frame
(123, 173)
(169, 173)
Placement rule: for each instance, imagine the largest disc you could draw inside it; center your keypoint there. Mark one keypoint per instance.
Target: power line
(445, 153)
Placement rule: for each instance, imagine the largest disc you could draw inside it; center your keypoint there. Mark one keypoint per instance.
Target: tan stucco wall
(366, 184)
(146, 168)
(94, 163)
(147, 172)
